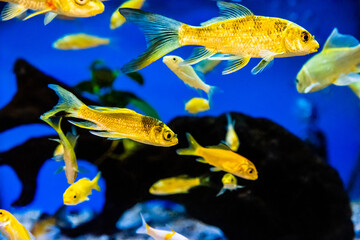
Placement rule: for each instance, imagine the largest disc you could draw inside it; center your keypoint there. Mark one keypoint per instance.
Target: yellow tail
(95, 182)
(193, 147)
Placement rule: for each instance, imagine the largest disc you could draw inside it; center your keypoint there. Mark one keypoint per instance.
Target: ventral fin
(85, 124)
(348, 79)
(220, 146)
(12, 10)
(215, 169)
(234, 65)
(37, 13)
(199, 54)
(232, 10)
(49, 17)
(265, 62)
(337, 40)
(201, 160)
(109, 135)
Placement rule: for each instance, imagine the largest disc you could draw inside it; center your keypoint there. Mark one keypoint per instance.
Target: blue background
(270, 94)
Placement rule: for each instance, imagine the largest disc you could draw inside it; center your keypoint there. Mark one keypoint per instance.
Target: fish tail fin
(54, 122)
(161, 33)
(221, 192)
(68, 102)
(193, 147)
(95, 182)
(205, 180)
(212, 90)
(144, 227)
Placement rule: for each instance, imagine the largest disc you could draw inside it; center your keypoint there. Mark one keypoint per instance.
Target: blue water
(270, 94)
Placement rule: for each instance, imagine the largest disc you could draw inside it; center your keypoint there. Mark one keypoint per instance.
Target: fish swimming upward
(236, 35)
(229, 183)
(231, 138)
(70, 8)
(113, 123)
(338, 63)
(11, 228)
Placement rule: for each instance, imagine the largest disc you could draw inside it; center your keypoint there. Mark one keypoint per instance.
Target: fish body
(231, 139)
(187, 74)
(113, 123)
(117, 19)
(196, 105)
(229, 183)
(79, 191)
(69, 8)
(176, 185)
(79, 41)
(68, 144)
(237, 35)
(11, 228)
(222, 158)
(159, 234)
(338, 63)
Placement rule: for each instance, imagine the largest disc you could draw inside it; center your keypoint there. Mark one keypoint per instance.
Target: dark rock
(297, 195)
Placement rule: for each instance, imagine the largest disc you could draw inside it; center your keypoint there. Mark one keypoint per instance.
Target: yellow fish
(11, 228)
(222, 158)
(68, 142)
(237, 35)
(196, 105)
(338, 63)
(113, 123)
(176, 185)
(79, 191)
(231, 139)
(229, 183)
(70, 8)
(206, 66)
(117, 19)
(159, 234)
(187, 74)
(79, 41)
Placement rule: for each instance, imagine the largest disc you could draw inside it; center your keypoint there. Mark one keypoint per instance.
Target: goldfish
(231, 139)
(176, 185)
(79, 41)
(68, 142)
(159, 234)
(113, 123)
(187, 74)
(79, 191)
(229, 183)
(237, 35)
(196, 105)
(206, 66)
(222, 158)
(337, 63)
(11, 228)
(69, 8)
(117, 19)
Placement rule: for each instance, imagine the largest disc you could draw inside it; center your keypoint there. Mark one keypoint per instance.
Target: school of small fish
(236, 36)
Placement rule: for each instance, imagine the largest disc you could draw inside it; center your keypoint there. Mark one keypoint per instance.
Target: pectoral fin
(215, 169)
(234, 65)
(348, 79)
(37, 13)
(109, 135)
(60, 169)
(199, 54)
(201, 160)
(12, 10)
(85, 124)
(49, 17)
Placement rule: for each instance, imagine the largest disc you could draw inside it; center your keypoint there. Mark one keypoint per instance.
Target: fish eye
(81, 2)
(174, 59)
(167, 135)
(74, 196)
(250, 171)
(0, 213)
(305, 36)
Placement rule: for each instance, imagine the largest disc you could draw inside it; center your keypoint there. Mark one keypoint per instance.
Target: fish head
(71, 196)
(228, 178)
(80, 8)
(247, 171)
(299, 41)
(5, 217)
(162, 135)
(172, 61)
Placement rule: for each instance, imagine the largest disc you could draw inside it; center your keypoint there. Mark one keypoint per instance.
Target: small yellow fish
(69, 8)
(237, 35)
(117, 19)
(113, 123)
(206, 66)
(68, 142)
(231, 139)
(79, 191)
(229, 183)
(196, 105)
(176, 185)
(159, 234)
(337, 63)
(187, 74)
(222, 158)
(11, 228)
(79, 41)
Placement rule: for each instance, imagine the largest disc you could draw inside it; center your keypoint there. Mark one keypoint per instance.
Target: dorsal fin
(221, 146)
(229, 11)
(112, 109)
(337, 40)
